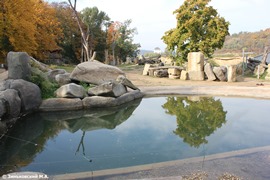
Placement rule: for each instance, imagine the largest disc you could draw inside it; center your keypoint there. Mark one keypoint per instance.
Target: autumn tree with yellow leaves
(29, 26)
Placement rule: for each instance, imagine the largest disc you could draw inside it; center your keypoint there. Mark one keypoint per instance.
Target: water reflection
(197, 117)
(28, 137)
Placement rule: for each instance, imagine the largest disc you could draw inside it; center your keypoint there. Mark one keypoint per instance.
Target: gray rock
(61, 104)
(62, 79)
(108, 89)
(12, 103)
(5, 84)
(126, 82)
(98, 101)
(161, 73)
(18, 65)
(3, 127)
(209, 72)
(29, 93)
(53, 73)
(71, 90)
(95, 72)
(3, 109)
(130, 96)
(219, 73)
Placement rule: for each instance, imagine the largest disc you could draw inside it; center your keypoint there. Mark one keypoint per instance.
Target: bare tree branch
(84, 38)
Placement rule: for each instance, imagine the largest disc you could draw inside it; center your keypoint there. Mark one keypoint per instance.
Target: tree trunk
(106, 56)
(84, 36)
(265, 54)
(93, 56)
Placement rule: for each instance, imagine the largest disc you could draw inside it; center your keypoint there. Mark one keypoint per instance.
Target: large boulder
(219, 73)
(98, 101)
(209, 72)
(126, 82)
(128, 97)
(109, 89)
(18, 65)
(5, 85)
(11, 103)
(95, 72)
(29, 93)
(61, 104)
(71, 90)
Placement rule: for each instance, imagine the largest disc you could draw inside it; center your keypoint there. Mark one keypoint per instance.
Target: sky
(153, 18)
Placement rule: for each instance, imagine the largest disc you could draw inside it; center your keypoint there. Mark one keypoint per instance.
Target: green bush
(47, 87)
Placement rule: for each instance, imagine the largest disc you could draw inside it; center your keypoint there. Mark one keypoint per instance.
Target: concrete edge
(133, 169)
(233, 91)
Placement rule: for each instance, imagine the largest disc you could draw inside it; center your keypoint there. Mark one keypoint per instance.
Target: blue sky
(153, 17)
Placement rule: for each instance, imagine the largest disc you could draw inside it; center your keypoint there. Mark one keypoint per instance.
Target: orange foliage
(29, 26)
(113, 32)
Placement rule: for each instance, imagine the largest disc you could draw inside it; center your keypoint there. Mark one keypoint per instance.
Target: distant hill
(143, 51)
(251, 41)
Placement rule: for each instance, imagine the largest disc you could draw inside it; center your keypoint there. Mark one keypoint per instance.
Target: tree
(112, 36)
(120, 37)
(94, 20)
(84, 36)
(125, 44)
(48, 30)
(199, 28)
(17, 30)
(70, 42)
(34, 32)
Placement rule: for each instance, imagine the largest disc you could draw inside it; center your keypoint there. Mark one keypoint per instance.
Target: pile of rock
(110, 88)
(19, 96)
(197, 70)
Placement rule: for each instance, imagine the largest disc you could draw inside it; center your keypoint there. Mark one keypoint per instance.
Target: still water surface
(146, 131)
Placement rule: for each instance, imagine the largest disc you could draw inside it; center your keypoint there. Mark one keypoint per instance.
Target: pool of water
(145, 131)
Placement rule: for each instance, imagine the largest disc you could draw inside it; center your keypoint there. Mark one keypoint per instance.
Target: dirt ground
(134, 74)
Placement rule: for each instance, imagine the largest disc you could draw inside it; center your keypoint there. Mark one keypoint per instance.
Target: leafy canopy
(199, 28)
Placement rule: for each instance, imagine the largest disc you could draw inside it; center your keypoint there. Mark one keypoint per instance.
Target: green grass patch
(68, 67)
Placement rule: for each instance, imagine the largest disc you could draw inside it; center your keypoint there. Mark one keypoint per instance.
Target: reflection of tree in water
(196, 119)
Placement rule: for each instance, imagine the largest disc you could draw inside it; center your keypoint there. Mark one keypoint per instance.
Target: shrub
(47, 87)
